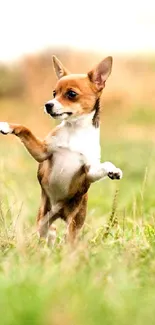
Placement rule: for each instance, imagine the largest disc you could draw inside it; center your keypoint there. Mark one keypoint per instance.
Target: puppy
(69, 157)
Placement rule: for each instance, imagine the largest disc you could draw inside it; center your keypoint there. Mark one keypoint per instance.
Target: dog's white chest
(83, 140)
(86, 141)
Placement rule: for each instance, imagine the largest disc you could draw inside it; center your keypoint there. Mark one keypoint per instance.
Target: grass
(107, 279)
(143, 115)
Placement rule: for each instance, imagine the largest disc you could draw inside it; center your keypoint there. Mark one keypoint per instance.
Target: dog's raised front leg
(37, 148)
(103, 170)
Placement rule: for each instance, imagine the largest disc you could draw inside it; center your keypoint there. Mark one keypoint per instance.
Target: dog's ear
(60, 70)
(100, 73)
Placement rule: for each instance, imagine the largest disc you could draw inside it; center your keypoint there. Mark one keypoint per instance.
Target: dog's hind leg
(76, 220)
(43, 211)
(46, 216)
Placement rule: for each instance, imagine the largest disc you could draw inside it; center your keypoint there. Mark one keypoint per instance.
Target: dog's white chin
(62, 117)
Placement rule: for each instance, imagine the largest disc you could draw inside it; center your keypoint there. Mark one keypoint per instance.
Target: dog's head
(76, 94)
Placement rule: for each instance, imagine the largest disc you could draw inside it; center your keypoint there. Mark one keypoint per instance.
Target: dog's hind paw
(5, 128)
(115, 174)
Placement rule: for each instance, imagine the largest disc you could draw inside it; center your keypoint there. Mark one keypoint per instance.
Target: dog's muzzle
(49, 107)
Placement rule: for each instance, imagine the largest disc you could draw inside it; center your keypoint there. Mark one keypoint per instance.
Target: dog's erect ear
(60, 70)
(100, 73)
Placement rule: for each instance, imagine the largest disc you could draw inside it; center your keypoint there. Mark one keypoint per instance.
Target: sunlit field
(109, 277)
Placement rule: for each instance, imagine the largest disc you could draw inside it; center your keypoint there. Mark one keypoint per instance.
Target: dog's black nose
(49, 107)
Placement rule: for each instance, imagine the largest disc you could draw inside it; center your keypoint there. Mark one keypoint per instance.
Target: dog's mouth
(57, 115)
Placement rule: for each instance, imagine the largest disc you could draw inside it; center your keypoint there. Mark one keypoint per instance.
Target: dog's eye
(71, 94)
(54, 93)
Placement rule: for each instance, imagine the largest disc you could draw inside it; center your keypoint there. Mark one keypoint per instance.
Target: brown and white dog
(69, 157)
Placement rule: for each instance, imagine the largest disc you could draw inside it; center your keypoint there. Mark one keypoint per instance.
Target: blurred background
(81, 34)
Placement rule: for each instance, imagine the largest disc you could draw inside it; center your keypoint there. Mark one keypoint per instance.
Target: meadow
(109, 277)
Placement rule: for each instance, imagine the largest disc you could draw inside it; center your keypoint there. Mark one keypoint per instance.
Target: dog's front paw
(112, 171)
(115, 174)
(5, 128)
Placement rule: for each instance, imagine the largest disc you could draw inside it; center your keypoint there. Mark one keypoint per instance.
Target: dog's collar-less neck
(85, 120)
(96, 117)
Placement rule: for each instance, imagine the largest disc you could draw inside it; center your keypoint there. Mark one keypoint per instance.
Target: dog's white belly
(65, 165)
(73, 145)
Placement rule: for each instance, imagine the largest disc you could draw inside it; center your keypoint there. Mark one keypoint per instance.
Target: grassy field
(109, 278)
